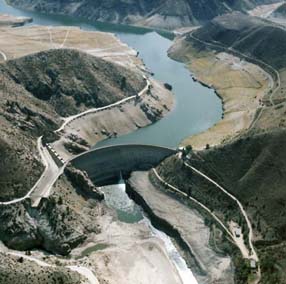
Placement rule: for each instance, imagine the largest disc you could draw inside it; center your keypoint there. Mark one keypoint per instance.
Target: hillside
(159, 13)
(253, 169)
(73, 81)
(251, 163)
(280, 12)
(248, 38)
(31, 272)
(34, 98)
(248, 35)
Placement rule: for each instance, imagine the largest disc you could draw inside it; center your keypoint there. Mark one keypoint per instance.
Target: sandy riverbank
(190, 224)
(132, 255)
(121, 254)
(240, 85)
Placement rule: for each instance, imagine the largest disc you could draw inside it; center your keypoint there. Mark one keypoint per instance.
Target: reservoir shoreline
(196, 106)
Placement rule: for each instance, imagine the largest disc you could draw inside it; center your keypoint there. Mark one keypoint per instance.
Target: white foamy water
(185, 273)
(116, 197)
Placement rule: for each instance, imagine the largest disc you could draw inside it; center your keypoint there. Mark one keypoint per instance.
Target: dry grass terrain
(35, 97)
(19, 42)
(250, 163)
(241, 86)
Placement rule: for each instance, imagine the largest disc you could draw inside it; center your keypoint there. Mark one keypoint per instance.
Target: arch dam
(104, 165)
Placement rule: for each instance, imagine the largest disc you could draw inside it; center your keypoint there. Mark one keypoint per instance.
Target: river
(128, 211)
(196, 109)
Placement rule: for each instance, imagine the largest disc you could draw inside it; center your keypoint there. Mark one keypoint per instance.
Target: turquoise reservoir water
(197, 107)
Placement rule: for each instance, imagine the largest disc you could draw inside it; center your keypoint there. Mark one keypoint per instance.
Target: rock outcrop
(36, 91)
(83, 184)
(55, 225)
(43, 227)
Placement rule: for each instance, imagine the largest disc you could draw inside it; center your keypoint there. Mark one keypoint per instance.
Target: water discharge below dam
(127, 211)
(197, 108)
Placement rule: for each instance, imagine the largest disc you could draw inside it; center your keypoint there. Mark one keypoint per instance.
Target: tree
(123, 83)
(187, 150)
(60, 201)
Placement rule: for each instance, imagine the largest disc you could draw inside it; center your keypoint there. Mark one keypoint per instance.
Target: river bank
(207, 265)
(240, 85)
(130, 252)
(115, 121)
(116, 252)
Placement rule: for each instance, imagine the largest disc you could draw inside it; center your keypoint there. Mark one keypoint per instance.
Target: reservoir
(196, 109)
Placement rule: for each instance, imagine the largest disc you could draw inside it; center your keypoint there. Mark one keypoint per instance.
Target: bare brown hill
(34, 97)
(251, 165)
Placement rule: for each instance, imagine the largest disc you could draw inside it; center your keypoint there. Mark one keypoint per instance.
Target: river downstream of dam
(128, 211)
(196, 109)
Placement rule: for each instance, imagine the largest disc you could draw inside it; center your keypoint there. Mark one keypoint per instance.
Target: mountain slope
(158, 13)
(250, 165)
(34, 98)
(252, 168)
(72, 81)
(248, 35)
(239, 34)
(280, 12)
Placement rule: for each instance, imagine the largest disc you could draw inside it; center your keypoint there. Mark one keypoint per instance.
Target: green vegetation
(242, 270)
(187, 151)
(273, 263)
(29, 272)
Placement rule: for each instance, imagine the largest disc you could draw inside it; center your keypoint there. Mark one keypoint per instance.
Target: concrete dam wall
(104, 165)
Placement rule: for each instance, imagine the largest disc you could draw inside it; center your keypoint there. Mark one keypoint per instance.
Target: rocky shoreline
(163, 225)
(128, 117)
(193, 241)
